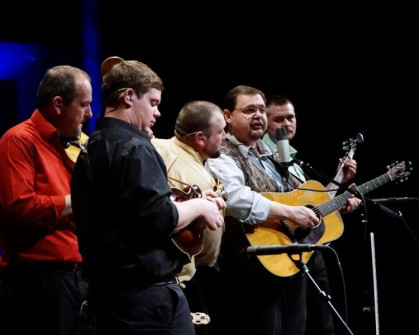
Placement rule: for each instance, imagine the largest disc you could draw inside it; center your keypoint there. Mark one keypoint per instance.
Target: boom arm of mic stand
(385, 209)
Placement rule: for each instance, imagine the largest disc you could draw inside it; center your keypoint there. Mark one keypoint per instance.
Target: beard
(214, 154)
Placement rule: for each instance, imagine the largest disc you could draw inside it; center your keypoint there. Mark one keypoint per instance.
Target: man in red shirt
(41, 291)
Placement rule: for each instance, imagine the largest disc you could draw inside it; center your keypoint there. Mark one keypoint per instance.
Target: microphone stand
(273, 250)
(307, 167)
(386, 210)
(303, 267)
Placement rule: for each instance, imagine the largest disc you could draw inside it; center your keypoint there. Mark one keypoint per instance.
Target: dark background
(348, 70)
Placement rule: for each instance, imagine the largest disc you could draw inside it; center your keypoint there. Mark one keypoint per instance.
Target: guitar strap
(296, 180)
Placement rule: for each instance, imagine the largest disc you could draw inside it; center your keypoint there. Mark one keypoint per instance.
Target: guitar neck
(340, 201)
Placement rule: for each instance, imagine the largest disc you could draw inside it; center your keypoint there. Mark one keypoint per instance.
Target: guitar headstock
(350, 145)
(400, 171)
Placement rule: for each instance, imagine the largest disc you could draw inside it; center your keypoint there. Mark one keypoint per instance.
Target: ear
(196, 140)
(58, 104)
(199, 136)
(227, 115)
(128, 94)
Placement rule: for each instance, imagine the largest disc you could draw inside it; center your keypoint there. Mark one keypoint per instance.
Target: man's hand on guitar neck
(352, 204)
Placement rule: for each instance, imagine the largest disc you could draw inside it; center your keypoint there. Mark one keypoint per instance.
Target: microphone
(283, 147)
(283, 249)
(393, 200)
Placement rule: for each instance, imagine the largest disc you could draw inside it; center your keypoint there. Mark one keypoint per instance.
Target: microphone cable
(342, 279)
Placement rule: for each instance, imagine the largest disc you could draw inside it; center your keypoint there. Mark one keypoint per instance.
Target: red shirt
(35, 176)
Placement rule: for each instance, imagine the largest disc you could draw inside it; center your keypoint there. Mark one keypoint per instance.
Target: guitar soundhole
(309, 236)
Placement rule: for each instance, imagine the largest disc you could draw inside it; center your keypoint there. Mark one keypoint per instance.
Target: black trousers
(248, 306)
(43, 299)
(158, 309)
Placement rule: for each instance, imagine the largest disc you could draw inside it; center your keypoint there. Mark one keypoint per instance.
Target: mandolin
(190, 239)
(350, 147)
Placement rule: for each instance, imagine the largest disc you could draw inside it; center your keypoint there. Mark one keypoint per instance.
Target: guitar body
(269, 233)
(329, 229)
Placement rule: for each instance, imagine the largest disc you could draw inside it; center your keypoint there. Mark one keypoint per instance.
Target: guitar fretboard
(340, 201)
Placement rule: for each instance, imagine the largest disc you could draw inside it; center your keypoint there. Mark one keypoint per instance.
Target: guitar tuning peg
(392, 165)
(409, 166)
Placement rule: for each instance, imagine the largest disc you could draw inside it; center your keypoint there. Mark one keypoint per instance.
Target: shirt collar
(262, 148)
(191, 151)
(48, 132)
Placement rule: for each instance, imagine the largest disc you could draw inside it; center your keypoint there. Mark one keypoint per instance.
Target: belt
(73, 267)
(133, 282)
(167, 282)
(55, 266)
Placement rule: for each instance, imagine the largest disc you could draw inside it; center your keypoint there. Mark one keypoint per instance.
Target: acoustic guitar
(314, 195)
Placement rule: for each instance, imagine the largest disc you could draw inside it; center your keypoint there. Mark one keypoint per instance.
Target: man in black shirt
(125, 214)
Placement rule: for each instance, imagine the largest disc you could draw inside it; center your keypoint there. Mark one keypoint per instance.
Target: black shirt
(122, 207)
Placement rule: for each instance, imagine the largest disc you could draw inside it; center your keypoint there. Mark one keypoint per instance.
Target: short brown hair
(128, 74)
(230, 98)
(59, 81)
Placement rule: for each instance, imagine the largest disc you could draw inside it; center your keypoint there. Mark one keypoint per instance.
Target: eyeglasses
(250, 111)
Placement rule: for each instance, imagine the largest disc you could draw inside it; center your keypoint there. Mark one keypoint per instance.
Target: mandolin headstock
(350, 145)
(189, 192)
(219, 189)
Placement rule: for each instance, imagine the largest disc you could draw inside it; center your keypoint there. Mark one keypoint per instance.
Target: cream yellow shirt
(184, 164)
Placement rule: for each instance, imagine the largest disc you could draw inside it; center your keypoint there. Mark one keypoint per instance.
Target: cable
(345, 299)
